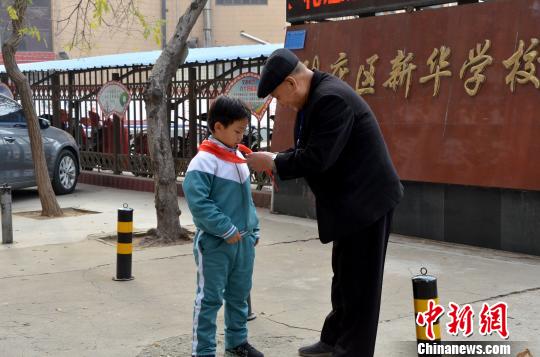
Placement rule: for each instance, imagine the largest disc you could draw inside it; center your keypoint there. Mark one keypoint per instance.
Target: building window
(241, 2)
(38, 14)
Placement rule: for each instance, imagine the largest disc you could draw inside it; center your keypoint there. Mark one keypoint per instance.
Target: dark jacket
(342, 155)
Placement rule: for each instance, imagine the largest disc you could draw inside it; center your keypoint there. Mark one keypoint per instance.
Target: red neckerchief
(230, 156)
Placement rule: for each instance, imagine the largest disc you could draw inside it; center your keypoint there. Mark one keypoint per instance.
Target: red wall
(491, 139)
(27, 57)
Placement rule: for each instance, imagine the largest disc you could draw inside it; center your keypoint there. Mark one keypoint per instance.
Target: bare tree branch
(121, 14)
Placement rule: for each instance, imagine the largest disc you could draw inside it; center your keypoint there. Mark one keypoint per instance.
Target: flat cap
(277, 67)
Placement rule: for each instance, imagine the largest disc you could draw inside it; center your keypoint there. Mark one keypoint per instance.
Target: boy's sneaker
(244, 350)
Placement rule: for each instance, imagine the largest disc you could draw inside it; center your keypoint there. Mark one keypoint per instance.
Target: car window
(12, 118)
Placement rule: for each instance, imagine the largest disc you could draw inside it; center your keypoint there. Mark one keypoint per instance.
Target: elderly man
(340, 151)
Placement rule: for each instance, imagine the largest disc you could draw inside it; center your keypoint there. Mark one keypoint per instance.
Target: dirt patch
(147, 239)
(68, 212)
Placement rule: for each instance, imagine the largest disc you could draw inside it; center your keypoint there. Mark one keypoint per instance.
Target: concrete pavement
(58, 299)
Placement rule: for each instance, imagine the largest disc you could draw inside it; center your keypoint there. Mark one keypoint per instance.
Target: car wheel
(65, 173)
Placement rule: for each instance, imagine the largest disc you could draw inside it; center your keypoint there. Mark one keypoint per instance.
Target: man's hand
(260, 161)
(234, 239)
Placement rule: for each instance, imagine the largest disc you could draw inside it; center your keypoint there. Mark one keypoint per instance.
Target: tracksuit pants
(224, 273)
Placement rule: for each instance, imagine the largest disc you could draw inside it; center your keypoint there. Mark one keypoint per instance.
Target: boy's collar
(216, 141)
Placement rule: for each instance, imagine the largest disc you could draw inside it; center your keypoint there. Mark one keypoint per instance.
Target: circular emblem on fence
(244, 87)
(114, 98)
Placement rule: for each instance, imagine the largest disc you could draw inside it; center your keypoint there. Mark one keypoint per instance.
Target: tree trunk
(49, 205)
(158, 114)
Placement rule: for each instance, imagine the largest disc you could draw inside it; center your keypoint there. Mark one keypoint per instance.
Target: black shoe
(319, 349)
(244, 350)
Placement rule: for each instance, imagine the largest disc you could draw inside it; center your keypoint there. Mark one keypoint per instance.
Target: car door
(6, 158)
(21, 131)
(16, 149)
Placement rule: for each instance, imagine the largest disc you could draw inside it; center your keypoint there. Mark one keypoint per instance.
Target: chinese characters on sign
(315, 64)
(477, 62)
(366, 86)
(528, 74)
(492, 319)
(401, 68)
(436, 62)
(308, 10)
(339, 67)
(319, 3)
(521, 66)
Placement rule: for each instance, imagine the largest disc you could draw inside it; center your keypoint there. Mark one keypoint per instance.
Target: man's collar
(315, 80)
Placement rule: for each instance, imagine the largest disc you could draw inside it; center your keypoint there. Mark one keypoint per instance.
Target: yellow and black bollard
(124, 247)
(424, 291)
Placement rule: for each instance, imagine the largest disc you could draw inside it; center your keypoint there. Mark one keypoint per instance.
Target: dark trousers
(358, 265)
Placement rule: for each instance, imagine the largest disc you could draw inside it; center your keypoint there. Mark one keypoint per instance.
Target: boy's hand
(234, 239)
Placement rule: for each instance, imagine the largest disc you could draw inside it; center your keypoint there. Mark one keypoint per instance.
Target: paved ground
(58, 299)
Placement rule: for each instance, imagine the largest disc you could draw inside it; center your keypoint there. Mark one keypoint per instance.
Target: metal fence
(69, 100)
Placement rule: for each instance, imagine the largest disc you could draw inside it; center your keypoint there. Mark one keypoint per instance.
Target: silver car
(16, 165)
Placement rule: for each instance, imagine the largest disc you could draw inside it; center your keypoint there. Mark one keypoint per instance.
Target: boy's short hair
(226, 110)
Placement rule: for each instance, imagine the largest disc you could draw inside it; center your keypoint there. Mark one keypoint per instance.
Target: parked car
(16, 164)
